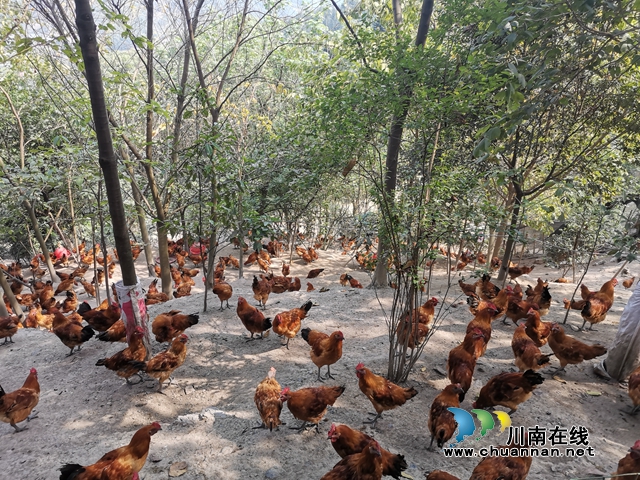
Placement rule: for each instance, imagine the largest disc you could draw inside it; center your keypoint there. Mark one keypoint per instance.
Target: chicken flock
(363, 458)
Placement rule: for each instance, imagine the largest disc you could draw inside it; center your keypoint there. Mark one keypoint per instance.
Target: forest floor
(207, 418)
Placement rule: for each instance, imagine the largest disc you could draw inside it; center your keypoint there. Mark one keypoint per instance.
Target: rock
(207, 416)
(272, 473)
(188, 390)
(438, 370)
(177, 469)
(189, 419)
(227, 450)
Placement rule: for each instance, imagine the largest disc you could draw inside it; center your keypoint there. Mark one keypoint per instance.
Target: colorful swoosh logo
(467, 426)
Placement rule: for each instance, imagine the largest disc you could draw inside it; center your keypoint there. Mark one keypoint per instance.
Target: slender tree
(107, 159)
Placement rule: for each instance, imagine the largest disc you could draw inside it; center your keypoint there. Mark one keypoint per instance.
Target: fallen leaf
(558, 379)
(178, 469)
(593, 393)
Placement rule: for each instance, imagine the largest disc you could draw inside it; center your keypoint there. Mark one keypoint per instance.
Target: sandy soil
(207, 418)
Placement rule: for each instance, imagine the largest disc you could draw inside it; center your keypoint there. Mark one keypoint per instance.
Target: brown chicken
(70, 303)
(261, 291)
(285, 269)
(100, 320)
(197, 259)
(366, 465)
(288, 323)
(98, 277)
(46, 293)
(189, 272)
(573, 304)
(540, 296)
(295, 285)
(17, 285)
(183, 290)
(252, 319)
(344, 279)
(628, 282)
(310, 404)
(251, 259)
(263, 265)
(233, 261)
(630, 463)
(36, 318)
(440, 475)
(123, 463)
(181, 258)
(115, 333)
(78, 272)
(128, 362)
(508, 389)
(70, 333)
(315, 272)
(383, 394)
(264, 255)
(518, 310)
(537, 330)
(135, 251)
(442, 424)
(634, 390)
(17, 406)
(496, 263)
(598, 304)
(469, 289)
(568, 350)
(346, 441)
(111, 268)
(153, 296)
(495, 468)
(169, 325)
(164, 363)
(223, 290)
(325, 349)
(462, 360)
(353, 283)
(267, 400)
(101, 260)
(500, 302)
(515, 272)
(485, 289)
(527, 354)
(280, 284)
(9, 327)
(411, 333)
(89, 289)
(482, 322)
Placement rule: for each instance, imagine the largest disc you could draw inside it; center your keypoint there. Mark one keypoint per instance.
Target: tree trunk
(492, 237)
(73, 219)
(41, 241)
(393, 150)
(15, 306)
(107, 159)
(395, 138)
(512, 234)
(142, 219)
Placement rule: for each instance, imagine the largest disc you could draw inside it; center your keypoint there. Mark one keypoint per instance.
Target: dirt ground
(207, 419)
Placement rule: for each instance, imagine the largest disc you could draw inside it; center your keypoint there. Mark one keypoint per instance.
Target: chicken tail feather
(70, 471)
(305, 334)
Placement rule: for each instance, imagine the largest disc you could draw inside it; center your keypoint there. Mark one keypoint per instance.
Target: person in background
(624, 354)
